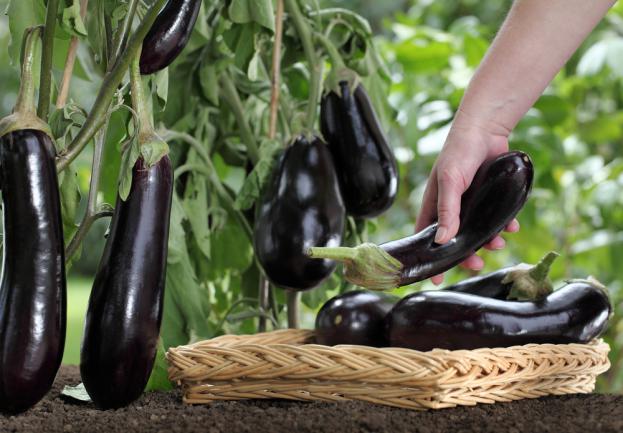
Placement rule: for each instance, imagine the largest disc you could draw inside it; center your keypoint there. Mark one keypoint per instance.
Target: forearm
(535, 41)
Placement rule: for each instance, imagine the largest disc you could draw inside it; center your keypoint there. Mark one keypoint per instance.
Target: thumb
(451, 185)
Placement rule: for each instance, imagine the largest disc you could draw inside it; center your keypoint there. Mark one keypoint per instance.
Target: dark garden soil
(164, 412)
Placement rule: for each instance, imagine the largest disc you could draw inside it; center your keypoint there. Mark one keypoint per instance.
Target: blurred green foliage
(574, 135)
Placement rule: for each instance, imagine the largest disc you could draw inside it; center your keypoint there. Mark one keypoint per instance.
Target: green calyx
(366, 265)
(152, 146)
(24, 114)
(335, 78)
(531, 282)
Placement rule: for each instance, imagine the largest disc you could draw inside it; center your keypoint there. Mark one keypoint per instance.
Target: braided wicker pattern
(286, 364)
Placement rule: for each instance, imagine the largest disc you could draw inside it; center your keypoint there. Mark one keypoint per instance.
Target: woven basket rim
(284, 364)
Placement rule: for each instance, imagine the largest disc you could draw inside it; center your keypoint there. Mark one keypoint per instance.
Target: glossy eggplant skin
(497, 193)
(301, 207)
(366, 167)
(489, 285)
(355, 317)
(125, 307)
(575, 313)
(33, 297)
(168, 35)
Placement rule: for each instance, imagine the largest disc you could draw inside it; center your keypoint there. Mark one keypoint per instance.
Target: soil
(164, 412)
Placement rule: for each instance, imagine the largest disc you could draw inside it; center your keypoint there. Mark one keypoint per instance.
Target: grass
(78, 290)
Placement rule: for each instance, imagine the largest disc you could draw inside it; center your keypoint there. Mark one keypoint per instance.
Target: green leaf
(70, 199)
(255, 181)
(231, 249)
(161, 83)
(259, 11)
(159, 378)
(196, 207)
(71, 21)
(23, 14)
(129, 158)
(111, 163)
(77, 392)
(209, 83)
(177, 235)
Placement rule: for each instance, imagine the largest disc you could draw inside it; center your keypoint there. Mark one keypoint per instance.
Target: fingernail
(440, 235)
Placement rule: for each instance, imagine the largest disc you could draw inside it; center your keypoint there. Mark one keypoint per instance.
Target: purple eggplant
(576, 313)
(169, 34)
(125, 307)
(301, 207)
(355, 317)
(521, 281)
(497, 193)
(33, 296)
(366, 167)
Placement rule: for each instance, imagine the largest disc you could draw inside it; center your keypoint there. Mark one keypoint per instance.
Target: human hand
(464, 151)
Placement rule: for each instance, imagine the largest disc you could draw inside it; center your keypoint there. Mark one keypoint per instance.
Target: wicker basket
(286, 364)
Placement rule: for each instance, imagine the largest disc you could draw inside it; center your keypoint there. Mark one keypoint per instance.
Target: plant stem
(91, 214)
(540, 271)
(121, 36)
(315, 67)
(341, 254)
(276, 71)
(139, 102)
(264, 300)
(47, 55)
(230, 94)
(264, 286)
(98, 113)
(293, 299)
(336, 59)
(63, 92)
(26, 97)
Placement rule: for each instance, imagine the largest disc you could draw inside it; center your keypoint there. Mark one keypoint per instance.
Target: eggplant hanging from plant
(497, 193)
(33, 302)
(576, 313)
(125, 307)
(366, 167)
(300, 207)
(168, 35)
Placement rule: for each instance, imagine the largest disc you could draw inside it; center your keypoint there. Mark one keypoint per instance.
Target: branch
(47, 55)
(63, 92)
(121, 37)
(293, 299)
(276, 72)
(98, 113)
(264, 284)
(231, 96)
(91, 215)
(315, 67)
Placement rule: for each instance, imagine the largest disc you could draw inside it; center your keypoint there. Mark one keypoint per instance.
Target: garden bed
(164, 412)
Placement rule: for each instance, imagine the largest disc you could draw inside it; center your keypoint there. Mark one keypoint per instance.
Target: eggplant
(366, 167)
(355, 317)
(497, 193)
(125, 307)
(33, 293)
(300, 207)
(521, 282)
(168, 35)
(124, 313)
(576, 313)
(33, 299)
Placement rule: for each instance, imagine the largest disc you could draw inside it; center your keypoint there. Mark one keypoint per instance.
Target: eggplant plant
(215, 203)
